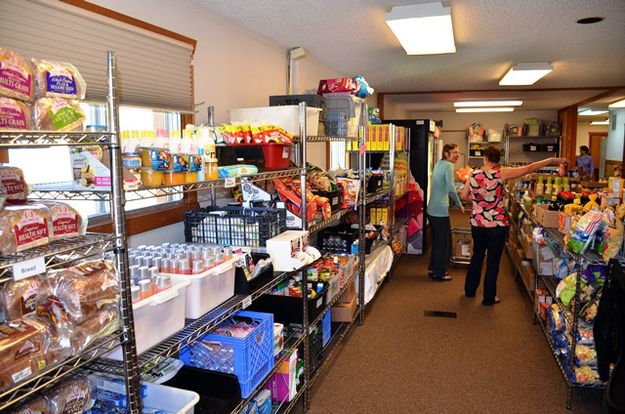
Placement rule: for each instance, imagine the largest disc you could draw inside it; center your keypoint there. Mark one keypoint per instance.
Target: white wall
(460, 122)
(233, 68)
(616, 137)
(583, 128)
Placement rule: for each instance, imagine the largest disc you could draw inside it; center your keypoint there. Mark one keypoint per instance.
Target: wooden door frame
(592, 135)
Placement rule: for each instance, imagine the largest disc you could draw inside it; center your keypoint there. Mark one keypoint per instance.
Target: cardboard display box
(545, 216)
(349, 294)
(527, 243)
(344, 312)
(528, 275)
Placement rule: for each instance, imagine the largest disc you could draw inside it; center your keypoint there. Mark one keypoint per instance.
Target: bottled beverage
(548, 187)
(540, 186)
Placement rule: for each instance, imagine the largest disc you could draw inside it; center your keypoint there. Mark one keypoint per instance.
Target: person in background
(489, 221)
(438, 211)
(584, 163)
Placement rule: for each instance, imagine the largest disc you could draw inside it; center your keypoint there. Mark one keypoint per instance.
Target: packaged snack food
(16, 76)
(12, 183)
(23, 227)
(64, 221)
(58, 80)
(20, 298)
(14, 114)
(70, 397)
(56, 114)
(23, 345)
(85, 288)
(37, 406)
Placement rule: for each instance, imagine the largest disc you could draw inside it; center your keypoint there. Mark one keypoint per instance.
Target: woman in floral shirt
(489, 220)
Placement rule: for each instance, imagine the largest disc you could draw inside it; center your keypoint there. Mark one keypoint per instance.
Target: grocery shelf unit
(65, 252)
(555, 240)
(514, 153)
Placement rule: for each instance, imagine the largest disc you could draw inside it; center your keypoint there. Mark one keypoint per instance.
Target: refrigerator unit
(425, 150)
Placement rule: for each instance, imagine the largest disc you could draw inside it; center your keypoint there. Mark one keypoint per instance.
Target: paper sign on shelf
(246, 302)
(230, 182)
(28, 268)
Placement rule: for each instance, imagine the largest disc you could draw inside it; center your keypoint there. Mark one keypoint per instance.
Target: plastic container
(157, 317)
(174, 178)
(190, 177)
(286, 117)
(151, 178)
(238, 227)
(311, 100)
(208, 289)
(169, 399)
(326, 327)
(332, 196)
(250, 358)
(342, 113)
(277, 156)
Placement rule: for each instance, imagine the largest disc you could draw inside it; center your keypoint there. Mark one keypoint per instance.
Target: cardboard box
(544, 260)
(528, 275)
(344, 312)
(546, 217)
(349, 294)
(527, 243)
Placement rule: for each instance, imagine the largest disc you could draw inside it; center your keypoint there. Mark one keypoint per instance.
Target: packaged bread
(19, 298)
(23, 345)
(70, 397)
(56, 114)
(105, 322)
(58, 80)
(12, 183)
(16, 76)
(85, 288)
(65, 222)
(14, 115)
(38, 405)
(22, 227)
(64, 341)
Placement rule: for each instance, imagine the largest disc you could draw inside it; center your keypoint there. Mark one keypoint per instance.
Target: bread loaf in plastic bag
(23, 227)
(14, 115)
(58, 80)
(65, 221)
(16, 76)
(12, 183)
(20, 298)
(56, 114)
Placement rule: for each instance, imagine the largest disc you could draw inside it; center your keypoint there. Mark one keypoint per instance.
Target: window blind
(153, 70)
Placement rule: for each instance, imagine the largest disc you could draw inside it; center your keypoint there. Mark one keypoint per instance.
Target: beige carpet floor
(487, 360)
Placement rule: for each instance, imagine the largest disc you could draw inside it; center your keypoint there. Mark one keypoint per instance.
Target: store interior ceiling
(491, 36)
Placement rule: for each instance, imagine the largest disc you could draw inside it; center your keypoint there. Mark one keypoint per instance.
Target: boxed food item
(14, 115)
(16, 76)
(23, 227)
(58, 80)
(23, 345)
(56, 114)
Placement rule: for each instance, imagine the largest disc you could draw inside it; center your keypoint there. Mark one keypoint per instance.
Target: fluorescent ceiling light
(606, 122)
(474, 104)
(526, 73)
(590, 112)
(497, 109)
(617, 104)
(422, 29)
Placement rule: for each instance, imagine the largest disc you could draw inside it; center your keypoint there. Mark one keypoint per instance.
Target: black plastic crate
(315, 101)
(375, 183)
(332, 196)
(339, 239)
(242, 286)
(241, 154)
(531, 147)
(288, 309)
(234, 225)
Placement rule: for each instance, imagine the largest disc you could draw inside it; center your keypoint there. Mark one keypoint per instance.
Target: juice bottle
(540, 186)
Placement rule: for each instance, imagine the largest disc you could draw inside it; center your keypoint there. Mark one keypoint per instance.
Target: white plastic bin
(208, 289)
(157, 317)
(170, 399)
(286, 117)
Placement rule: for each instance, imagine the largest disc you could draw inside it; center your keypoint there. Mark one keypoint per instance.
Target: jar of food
(151, 178)
(155, 158)
(131, 160)
(212, 172)
(190, 177)
(173, 178)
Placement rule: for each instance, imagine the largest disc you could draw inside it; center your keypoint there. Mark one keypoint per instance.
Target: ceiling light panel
(525, 73)
(617, 104)
(494, 109)
(474, 104)
(590, 112)
(606, 122)
(422, 29)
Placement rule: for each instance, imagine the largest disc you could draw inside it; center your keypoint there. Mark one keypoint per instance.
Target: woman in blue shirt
(438, 211)
(584, 163)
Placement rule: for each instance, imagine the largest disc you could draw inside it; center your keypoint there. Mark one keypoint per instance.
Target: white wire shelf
(16, 139)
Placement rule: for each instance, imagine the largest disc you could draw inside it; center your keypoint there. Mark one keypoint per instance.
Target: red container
(277, 156)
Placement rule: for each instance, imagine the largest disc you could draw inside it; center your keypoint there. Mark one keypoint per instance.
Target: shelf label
(29, 268)
(230, 182)
(246, 302)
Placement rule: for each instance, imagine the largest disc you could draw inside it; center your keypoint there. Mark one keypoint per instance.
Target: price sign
(28, 268)
(230, 182)
(246, 302)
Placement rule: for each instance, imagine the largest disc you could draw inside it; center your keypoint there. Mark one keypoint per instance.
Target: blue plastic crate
(326, 327)
(250, 358)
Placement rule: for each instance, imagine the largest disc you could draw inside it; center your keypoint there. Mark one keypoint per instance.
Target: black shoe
(497, 300)
(444, 278)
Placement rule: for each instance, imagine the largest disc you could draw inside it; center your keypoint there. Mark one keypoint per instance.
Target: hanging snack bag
(14, 115)
(58, 80)
(16, 76)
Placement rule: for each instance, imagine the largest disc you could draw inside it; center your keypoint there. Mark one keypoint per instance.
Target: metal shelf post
(362, 169)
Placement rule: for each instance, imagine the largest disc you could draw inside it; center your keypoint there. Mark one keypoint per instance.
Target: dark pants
(440, 228)
(485, 240)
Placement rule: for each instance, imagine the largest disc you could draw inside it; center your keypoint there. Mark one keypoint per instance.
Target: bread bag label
(27, 348)
(14, 77)
(11, 115)
(63, 114)
(60, 80)
(27, 301)
(11, 183)
(31, 230)
(76, 401)
(64, 221)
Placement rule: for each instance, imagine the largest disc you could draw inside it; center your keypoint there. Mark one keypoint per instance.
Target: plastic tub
(277, 156)
(286, 117)
(169, 399)
(208, 289)
(157, 317)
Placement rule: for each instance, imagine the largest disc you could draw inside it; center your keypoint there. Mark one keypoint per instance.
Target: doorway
(596, 143)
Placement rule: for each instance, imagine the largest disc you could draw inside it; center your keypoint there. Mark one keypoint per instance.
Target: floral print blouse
(487, 193)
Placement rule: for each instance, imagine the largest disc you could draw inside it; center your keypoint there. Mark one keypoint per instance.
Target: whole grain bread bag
(85, 288)
(65, 221)
(38, 405)
(12, 183)
(56, 114)
(19, 298)
(14, 115)
(22, 227)
(105, 322)
(58, 80)
(16, 76)
(70, 397)
(23, 345)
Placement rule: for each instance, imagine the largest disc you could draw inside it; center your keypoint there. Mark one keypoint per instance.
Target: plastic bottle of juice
(540, 186)
(548, 187)
(162, 138)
